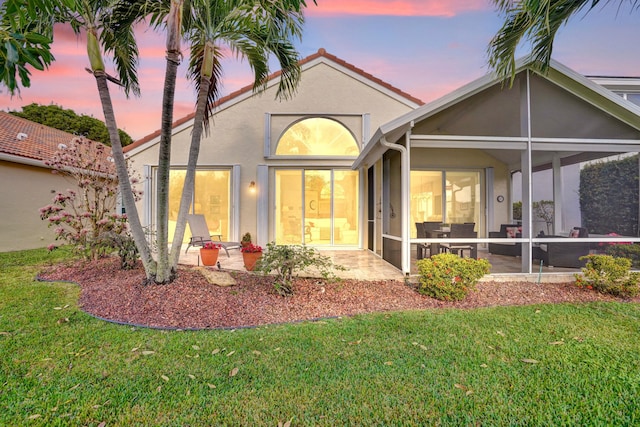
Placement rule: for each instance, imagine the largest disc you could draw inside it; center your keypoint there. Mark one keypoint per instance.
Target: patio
(364, 265)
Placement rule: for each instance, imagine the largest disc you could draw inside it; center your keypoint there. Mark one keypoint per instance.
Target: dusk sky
(427, 48)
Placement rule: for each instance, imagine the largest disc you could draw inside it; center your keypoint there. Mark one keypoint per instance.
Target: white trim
(235, 204)
(363, 210)
(262, 205)
(557, 194)
(490, 197)
(147, 205)
(586, 148)
(267, 135)
(585, 141)
(487, 144)
(23, 160)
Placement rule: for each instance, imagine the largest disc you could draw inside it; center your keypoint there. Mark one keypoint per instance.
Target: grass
(536, 365)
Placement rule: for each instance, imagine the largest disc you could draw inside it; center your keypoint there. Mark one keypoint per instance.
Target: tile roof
(40, 142)
(320, 53)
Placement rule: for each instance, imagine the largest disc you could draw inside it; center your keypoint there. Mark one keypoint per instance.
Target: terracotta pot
(250, 259)
(209, 256)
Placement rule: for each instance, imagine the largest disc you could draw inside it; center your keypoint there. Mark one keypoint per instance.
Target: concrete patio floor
(359, 263)
(364, 265)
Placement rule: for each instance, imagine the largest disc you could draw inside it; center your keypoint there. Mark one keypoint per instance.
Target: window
(317, 136)
(211, 198)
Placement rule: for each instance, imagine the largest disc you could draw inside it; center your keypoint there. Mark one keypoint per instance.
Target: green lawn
(537, 365)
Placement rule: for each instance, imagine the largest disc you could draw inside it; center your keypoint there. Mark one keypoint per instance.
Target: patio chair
(200, 234)
(420, 234)
(459, 231)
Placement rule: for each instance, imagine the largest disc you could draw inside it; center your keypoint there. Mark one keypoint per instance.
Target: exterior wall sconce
(252, 187)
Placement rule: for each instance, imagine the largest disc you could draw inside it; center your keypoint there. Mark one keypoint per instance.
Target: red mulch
(191, 302)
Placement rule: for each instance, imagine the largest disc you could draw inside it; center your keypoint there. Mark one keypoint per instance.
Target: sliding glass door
(317, 207)
(212, 198)
(446, 196)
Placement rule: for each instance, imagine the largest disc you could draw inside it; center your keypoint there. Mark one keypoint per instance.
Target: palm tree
(251, 29)
(537, 21)
(263, 27)
(95, 19)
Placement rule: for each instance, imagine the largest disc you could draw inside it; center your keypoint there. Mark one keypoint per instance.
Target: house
(281, 170)
(27, 183)
(352, 162)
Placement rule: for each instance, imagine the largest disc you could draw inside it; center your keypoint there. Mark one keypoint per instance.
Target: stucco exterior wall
(238, 129)
(24, 190)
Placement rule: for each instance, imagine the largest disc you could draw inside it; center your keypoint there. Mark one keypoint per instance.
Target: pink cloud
(446, 8)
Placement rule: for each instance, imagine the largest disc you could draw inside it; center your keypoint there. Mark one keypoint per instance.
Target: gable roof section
(560, 75)
(36, 143)
(247, 91)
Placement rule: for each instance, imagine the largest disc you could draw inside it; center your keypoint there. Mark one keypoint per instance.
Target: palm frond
(535, 22)
(119, 40)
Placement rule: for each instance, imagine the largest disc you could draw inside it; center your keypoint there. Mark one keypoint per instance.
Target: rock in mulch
(219, 278)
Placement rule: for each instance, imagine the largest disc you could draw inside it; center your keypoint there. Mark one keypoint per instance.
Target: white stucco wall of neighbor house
(238, 132)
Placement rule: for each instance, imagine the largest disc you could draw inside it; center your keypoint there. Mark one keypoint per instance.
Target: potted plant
(246, 239)
(209, 253)
(251, 254)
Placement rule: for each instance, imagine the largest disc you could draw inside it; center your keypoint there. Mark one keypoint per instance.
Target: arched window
(317, 136)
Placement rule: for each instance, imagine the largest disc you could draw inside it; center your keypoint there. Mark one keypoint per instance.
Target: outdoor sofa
(509, 249)
(564, 254)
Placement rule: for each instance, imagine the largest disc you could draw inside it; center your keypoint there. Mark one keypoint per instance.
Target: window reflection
(317, 137)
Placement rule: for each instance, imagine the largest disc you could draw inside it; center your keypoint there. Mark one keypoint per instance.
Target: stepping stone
(218, 278)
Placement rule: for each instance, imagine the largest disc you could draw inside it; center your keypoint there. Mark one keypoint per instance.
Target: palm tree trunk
(97, 67)
(189, 180)
(123, 178)
(165, 273)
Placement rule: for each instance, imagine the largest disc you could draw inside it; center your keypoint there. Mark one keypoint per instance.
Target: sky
(426, 48)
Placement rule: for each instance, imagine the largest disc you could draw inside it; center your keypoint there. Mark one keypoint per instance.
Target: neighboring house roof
(320, 56)
(22, 138)
(558, 73)
(27, 142)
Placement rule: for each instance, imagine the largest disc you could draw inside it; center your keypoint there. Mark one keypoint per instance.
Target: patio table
(439, 232)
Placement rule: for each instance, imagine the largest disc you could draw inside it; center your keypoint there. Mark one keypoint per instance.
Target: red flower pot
(209, 256)
(250, 259)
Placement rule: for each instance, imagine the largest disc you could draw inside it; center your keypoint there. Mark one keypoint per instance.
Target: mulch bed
(192, 302)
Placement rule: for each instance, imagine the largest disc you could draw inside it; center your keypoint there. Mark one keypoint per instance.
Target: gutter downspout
(404, 187)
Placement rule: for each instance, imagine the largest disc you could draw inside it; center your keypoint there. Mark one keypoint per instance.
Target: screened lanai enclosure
(467, 157)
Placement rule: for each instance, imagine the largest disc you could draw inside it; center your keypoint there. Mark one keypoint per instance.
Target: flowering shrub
(609, 275)
(212, 245)
(251, 248)
(84, 216)
(449, 277)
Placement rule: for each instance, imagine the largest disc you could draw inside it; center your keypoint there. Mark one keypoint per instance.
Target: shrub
(287, 260)
(631, 252)
(609, 275)
(517, 211)
(125, 245)
(449, 277)
(85, 217)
